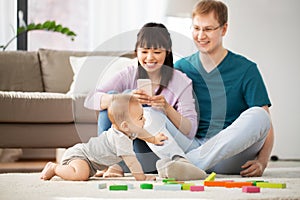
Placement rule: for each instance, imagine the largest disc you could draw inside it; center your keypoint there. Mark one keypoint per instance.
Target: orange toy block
(216, 183)
(237, 184)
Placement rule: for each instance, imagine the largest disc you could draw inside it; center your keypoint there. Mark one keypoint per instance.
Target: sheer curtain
(8, 22)
(111, 18)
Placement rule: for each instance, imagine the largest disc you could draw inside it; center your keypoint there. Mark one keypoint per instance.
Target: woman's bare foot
(48, 171)
(114, 171)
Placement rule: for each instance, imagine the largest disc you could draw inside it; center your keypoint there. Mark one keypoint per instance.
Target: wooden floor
(23, 166)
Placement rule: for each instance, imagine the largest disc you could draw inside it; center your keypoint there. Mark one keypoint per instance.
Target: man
(235, 132)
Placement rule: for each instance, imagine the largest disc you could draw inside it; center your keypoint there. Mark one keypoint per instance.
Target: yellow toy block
(187, 186)
(270, 185)
(211, 177)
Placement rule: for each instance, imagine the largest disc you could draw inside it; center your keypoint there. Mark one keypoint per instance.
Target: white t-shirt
(107, 148)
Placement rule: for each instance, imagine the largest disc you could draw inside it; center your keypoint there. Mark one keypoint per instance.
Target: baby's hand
(150, 178)
(159, 138)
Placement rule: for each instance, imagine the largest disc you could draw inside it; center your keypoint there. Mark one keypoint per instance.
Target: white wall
(267, 32)
(8, 22)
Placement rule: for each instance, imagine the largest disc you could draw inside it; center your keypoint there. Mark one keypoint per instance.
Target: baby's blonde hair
(118, 110)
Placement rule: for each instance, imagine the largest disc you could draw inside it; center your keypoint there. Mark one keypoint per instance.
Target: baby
(83, 160)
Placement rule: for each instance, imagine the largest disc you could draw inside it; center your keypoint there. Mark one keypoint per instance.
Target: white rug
(29, 186)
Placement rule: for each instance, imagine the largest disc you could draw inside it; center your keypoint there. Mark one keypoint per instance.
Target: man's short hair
(217, 7)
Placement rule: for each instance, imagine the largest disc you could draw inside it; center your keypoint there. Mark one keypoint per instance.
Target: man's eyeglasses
(208, 29)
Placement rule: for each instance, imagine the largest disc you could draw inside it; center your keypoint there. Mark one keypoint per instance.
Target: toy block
(196, 188)
(118, 187)
(130, 186)
(254, 182)
(215, 183)
(237, 184)
(146, 186)
(211, 177)
(250, 189)
(187, 186)
(102, 186)
(173, 187)
(174, 182)
(271, 185)
(168, 179)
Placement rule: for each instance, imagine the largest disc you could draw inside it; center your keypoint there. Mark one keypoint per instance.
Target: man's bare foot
(114, 171)
(48, 171)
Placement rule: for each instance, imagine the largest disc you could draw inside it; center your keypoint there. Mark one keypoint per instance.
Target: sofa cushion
(35, 107)
(20, 71)
(56, 70)
(92, 70)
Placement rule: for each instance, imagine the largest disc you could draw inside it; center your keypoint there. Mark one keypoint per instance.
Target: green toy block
(148, 186)
(118, 187)
(168, 179)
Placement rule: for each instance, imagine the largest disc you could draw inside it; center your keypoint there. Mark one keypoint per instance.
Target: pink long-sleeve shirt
(179, 93)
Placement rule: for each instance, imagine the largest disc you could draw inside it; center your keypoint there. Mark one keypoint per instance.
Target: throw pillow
(92, 70)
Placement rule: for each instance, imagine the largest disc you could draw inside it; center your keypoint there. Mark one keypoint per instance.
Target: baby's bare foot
(100, 173)
(48, 171)
(114, 171)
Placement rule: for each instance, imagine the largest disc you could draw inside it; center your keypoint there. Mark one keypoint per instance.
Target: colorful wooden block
(130, 186)
(250, 189)
(271, 185)
(187, 186)
(174, 182)
(118, 187)
(211, 177)
(168, 179)
(197, 188)
(146, 186)
(102, 185)
(173, 187)
(237, 184)
(216, 183)
(254, 182)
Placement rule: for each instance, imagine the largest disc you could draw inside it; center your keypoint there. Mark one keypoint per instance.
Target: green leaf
(71, 33)
(65, 30)
(39, 26)
(46, 24)
(58, 28)
(52, 25)
(31, 26)
(21, 30)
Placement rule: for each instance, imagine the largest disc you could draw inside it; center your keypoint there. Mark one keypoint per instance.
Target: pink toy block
(251, 189)
(196, 188)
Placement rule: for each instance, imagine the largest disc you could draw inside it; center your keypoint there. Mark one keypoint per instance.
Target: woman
(172, 91)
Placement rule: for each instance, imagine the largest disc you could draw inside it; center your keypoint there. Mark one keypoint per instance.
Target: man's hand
(159, 139)
(253, 168)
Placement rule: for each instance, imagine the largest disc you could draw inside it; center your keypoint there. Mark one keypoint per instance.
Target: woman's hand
(142, 96)
(159, 102)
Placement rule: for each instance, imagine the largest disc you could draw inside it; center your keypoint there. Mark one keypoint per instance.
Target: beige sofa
(36, 107)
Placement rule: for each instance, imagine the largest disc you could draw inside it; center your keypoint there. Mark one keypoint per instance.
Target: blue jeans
(144, 154)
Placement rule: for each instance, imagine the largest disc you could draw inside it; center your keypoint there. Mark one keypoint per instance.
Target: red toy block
(251, 189)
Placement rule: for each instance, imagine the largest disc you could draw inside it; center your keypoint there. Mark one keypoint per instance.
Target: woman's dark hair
(155, 35)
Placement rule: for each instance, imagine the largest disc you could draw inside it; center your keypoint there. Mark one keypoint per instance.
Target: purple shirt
(178, 94)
